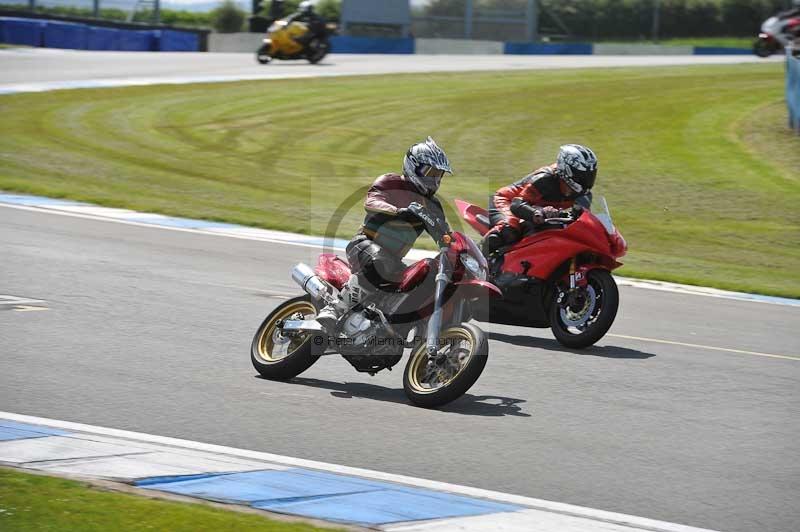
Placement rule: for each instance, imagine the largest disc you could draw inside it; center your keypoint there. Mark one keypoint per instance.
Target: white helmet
(424, 165)
(306, 6)
(577, 167)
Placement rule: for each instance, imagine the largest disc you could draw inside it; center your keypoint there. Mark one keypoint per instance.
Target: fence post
(793, 87)
(468, 19)
(532, 32)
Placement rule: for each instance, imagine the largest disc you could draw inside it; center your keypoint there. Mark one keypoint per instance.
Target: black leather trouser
(381, 268)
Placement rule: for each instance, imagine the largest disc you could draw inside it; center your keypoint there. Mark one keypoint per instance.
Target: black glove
(406, 215)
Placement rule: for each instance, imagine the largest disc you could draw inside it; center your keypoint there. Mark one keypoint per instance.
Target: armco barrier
(178, 41)
(79, 36)
(21, 31)
(66, 35)
(793, 90)
(528, 48)
(103, 39)
(138, 41)
(368, 45)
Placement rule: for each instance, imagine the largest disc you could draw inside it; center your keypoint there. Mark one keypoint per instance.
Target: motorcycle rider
(305, 13)
(390, 228)
(539, 195)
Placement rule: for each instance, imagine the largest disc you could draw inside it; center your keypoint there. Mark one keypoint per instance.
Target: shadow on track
(470, 405)
(607, 351)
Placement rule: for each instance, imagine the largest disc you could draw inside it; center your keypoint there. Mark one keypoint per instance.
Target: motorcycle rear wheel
(579, 328)
(281, 358)
(433, 383)
(317, 50)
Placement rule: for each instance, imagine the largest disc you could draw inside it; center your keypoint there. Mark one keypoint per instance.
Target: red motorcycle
(558, 275)
(427, 311)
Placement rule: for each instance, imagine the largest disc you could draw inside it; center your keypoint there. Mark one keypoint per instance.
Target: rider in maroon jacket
(541, 194)
(390, 228)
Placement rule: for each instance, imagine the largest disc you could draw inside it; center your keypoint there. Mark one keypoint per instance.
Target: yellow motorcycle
(291, 40)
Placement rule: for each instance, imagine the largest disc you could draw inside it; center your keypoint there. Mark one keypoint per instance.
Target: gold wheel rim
(272, 347)
(421, 371)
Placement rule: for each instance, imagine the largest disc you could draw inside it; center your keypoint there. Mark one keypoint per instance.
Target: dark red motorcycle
(426, 311)
(558, 275)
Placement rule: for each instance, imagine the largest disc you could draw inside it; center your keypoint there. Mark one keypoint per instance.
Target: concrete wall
(641, 49)
(234, 42)
(458, 47)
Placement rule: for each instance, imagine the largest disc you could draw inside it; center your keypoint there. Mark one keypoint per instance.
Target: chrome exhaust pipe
(313, 285)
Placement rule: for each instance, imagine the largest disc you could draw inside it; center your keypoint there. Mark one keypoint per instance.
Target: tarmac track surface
(149, 330)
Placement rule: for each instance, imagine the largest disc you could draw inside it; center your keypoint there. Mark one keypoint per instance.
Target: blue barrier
(178, 41)
(369, 45)
(66, 35)
(21, 31)
(721, 50)
(103, 38)
(532, 48)
(793, 90)
(138, 41)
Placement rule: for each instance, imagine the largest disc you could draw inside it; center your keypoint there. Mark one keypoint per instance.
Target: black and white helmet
(424, 165)
(577, 167)
(306, 7)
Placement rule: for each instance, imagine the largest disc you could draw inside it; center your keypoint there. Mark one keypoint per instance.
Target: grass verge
(724, 42)
(39, 503)
(700, 178)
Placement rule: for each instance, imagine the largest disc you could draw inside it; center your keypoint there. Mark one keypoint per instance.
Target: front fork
(435, 322)
(575, 278)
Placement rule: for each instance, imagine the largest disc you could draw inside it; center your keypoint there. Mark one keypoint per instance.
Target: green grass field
(37, 503)
(699, 169)
(725, 42)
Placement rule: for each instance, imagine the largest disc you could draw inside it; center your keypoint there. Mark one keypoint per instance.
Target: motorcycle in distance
(430, 301)
(558, 275)
(776, 34)
(281, 43)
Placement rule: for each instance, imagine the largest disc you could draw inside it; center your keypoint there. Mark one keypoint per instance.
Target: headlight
(473, 266)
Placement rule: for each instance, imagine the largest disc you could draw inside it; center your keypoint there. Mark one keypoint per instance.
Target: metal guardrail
(793, 86)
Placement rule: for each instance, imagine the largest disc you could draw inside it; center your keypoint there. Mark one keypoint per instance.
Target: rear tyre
(591, 316)
(262, 55)
(278, 357)
(762, 48)
(433, 383)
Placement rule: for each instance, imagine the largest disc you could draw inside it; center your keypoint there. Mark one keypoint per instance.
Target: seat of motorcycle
(482, 218)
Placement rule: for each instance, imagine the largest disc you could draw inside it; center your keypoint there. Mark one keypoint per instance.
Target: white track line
(539, 504)
(698, 346)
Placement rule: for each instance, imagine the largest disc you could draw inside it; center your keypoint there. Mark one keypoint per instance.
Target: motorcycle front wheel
(279, 357)
(762, 48)
(262, 55)
(590, 314)
(431, 382)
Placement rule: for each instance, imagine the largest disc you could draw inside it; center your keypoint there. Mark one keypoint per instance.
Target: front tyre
(280, 357)
(433, 382)
(587, 317)
(262, 55)
(762, 48)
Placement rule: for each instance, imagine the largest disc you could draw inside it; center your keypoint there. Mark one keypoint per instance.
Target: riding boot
(352, 293)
